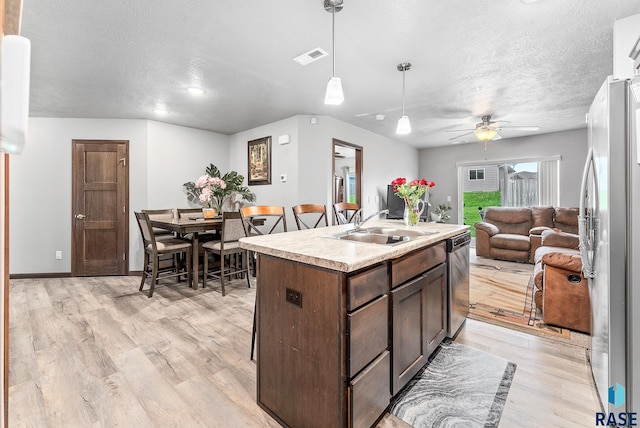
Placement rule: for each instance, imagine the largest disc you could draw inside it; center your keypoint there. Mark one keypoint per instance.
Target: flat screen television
(395, 205)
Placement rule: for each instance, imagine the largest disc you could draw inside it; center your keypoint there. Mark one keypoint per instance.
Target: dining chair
(153, 248)
(310, 212)
(232, 231)
(162, 234)
(195, 213)
(345, 212)
(189, 213)
(165, 214)
(249, 214)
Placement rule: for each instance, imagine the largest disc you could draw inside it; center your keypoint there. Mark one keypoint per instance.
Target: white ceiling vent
(310, 56)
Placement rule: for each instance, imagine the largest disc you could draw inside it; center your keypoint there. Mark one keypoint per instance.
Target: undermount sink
(398, 232)
(382, 235)
(373, 238)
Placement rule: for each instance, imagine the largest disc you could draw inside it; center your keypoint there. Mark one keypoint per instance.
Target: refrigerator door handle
(588, 221)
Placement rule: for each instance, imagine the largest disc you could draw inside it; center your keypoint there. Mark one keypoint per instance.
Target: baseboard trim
(40, 275)
(58, 275)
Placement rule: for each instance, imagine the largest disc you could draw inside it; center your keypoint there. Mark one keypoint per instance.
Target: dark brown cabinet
(335, 354)
(323, 358)
(419, 317)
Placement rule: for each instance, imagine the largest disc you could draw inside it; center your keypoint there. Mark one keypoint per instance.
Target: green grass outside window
(473, 200)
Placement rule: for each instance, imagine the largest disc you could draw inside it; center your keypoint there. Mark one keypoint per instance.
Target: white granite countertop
(315, 248)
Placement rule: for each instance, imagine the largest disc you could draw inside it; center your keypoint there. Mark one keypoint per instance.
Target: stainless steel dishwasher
(457, 282)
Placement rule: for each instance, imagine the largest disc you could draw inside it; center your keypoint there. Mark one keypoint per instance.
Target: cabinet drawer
(369, 393)
(415, 263)
(366, 286)
(368, 330)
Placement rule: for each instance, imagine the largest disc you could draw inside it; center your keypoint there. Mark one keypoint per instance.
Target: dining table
(194, 226)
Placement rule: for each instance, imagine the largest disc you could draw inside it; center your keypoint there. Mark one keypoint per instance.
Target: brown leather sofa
(514, 234)
(561, 291)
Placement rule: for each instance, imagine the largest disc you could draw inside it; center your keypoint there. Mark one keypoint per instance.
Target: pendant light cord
(333, 37)
(403, 71)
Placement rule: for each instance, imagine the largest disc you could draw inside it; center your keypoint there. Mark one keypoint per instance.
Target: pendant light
(404, 126)
(334, 94)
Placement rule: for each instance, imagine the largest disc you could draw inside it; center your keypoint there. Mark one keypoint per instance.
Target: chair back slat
(270, 211)
(345, 212)
(310, 210)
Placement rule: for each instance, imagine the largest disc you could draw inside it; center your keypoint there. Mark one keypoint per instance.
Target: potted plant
(441, 214)
(217, 192)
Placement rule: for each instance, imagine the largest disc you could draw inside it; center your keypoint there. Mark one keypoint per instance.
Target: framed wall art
(259, 158)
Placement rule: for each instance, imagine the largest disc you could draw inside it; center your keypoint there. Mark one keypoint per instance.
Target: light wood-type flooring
(95, 352)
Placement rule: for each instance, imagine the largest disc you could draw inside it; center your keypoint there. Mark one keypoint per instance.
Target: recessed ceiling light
(160, 110)
(195, 90)
(529, 1)
(379, 116)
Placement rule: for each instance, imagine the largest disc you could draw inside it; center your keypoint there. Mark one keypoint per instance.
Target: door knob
(80, 216)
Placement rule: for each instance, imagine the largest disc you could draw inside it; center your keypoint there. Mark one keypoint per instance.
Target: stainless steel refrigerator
(610, 239)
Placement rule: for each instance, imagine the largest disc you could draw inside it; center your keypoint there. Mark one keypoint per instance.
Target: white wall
(308, 160)
(163, 157)
(41, 182)
(383, 159)
(284, 160)
(176, 155)
(439, 164)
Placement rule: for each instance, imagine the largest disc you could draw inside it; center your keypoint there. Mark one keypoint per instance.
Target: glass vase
(412, 210)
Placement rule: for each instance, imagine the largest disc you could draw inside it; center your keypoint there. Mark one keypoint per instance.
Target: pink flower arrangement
(212, 191)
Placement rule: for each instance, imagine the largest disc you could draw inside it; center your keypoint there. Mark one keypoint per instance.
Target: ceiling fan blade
(458, 130)
(497, 137)
(461, 135)
(522, 128)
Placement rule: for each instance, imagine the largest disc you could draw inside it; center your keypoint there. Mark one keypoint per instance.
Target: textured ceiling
(530, 64)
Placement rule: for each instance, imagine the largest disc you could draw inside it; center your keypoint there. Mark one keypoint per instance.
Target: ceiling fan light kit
(485, 134)
(334, 94)
(195, 90)
(404, 126)
(487, 130)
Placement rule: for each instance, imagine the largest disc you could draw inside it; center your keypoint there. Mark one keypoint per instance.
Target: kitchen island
(343, 325)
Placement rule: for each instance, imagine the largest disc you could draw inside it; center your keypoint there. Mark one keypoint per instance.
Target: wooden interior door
(100, 206)
(355, 159)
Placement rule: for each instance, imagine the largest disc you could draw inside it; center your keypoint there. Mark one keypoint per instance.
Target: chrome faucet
(358, 223)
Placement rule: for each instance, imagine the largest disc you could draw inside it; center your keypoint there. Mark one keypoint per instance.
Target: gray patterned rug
(460, 387)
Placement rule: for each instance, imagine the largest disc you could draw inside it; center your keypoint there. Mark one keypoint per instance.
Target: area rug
(460, 386)
(503, 295)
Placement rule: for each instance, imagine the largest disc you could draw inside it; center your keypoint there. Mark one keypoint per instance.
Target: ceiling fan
(488, 129)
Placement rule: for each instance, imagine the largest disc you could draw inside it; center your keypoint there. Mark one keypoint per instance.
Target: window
(476, 174)
(509, 183)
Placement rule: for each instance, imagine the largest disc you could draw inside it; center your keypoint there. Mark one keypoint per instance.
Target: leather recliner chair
(561, 291)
